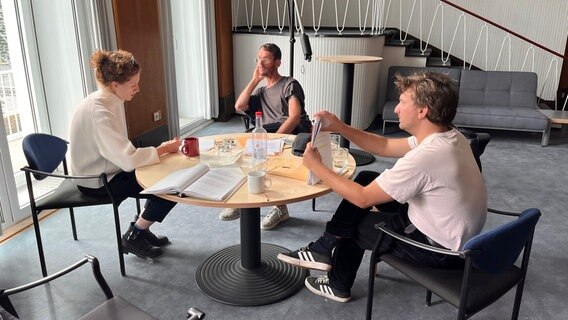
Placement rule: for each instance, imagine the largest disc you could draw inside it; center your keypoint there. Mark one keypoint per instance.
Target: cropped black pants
(124, 185)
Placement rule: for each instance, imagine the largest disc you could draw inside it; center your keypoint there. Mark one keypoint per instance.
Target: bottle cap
(258, 114)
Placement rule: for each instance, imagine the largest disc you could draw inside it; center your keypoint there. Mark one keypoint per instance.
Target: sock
(138, 228)
(325, 243)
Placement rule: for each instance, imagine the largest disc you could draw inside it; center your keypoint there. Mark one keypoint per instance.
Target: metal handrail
(379, 10)
(504, 29)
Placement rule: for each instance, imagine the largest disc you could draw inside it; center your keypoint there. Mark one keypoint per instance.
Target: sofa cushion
(498, 88)
(500, 117)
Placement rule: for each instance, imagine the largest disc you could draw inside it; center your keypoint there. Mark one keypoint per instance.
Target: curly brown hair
(435, 90)
(118, 66)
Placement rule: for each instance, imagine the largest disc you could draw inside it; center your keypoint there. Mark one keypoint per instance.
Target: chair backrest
(477, 142)
(44, 152)
(499, 248)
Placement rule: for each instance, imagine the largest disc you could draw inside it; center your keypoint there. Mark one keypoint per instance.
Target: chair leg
(73, 226)
(39, 243)
(518, 296)
(314, 204)
(137, 215)
(119, 240)
(371, 287)
(428, 298)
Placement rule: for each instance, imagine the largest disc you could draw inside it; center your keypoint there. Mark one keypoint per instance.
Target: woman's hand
(170, 146)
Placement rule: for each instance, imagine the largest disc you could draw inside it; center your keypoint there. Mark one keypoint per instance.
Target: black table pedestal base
(361, 157)
(223, 279)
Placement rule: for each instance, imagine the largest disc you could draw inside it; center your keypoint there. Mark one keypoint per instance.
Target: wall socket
(157, 116)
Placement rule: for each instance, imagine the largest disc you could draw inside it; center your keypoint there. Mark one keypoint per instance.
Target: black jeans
(356, 228)
(124, 185)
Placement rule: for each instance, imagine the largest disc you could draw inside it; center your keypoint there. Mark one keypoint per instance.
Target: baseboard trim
(14, 230)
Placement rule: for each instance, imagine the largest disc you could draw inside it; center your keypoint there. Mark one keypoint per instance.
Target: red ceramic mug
(190, 146)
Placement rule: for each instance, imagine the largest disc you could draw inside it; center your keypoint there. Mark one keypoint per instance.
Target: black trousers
(356, 228)
(124, 185)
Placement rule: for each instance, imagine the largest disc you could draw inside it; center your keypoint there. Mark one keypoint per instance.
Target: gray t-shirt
(273, 101)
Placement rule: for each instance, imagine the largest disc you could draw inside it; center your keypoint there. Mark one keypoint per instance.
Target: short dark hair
(435, 90)
(273, 49)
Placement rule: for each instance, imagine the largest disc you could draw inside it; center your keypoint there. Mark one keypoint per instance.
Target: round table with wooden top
(246, 274)
(349, 62)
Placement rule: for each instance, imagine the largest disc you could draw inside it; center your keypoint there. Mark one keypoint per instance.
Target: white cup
(258, 182)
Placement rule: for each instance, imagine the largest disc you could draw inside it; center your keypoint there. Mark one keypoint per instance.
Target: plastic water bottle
(259, 144)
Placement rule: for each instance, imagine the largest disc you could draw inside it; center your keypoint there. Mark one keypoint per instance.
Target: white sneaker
(274, 217)
(229, 214)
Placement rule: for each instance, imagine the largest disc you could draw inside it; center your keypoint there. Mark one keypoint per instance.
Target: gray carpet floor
(519, 174)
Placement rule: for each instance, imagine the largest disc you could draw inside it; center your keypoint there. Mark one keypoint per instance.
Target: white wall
(544, 21)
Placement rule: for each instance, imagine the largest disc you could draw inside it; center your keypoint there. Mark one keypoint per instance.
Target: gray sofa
(487, 99)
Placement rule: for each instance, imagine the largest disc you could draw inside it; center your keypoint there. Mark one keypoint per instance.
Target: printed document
(322, 142)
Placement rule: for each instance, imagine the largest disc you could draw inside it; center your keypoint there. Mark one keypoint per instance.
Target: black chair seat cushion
(446, 283)
(117, 308)
(68, 195)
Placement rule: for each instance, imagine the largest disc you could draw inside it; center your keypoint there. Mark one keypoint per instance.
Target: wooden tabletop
(283, 190)
(556, 116)
(349, 59)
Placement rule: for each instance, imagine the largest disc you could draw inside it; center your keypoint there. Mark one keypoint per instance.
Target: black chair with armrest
(115, 307)
(489, 266)
(44, 154)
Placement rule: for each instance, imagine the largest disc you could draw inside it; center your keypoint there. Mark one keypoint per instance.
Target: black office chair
(489, 271)
(115, 307)
(44, 153)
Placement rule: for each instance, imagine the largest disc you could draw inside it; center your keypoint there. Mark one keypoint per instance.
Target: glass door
(16, 115)
(195, 62)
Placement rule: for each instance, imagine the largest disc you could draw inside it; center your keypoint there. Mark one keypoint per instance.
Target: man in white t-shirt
(434, 193)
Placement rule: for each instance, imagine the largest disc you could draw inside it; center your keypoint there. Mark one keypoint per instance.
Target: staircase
(411, 44)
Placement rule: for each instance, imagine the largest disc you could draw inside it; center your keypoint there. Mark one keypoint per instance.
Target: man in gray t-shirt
(281, 100)
(283, 111)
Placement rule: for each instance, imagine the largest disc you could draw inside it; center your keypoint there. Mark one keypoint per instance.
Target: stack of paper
(322, 142)
(274, 146)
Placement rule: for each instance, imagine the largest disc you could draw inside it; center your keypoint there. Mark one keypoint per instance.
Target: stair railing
(380, 11)
(401, 38)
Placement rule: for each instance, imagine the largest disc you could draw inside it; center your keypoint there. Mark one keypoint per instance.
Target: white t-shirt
(99, 140)
(443, 186)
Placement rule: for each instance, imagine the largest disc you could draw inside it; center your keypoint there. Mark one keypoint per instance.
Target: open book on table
(200, 181)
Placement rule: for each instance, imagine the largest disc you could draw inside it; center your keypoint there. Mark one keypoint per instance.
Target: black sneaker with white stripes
(307, 258)
(320, 286)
